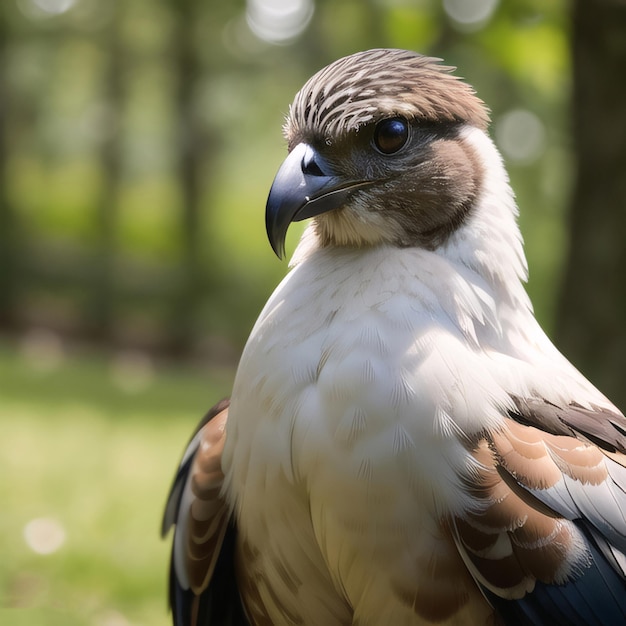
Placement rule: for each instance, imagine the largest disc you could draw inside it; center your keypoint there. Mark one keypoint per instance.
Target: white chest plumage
(344, 427)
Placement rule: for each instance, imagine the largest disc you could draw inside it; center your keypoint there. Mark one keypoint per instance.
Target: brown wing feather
(539, 459)
(203, 582)
(513, 539)
(546, 468)
(603, 426)
(444, 587)
(207, 519)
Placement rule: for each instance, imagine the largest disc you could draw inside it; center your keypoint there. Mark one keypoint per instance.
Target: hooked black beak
(303, 188)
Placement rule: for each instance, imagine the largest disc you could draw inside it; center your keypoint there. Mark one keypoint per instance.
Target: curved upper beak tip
(276, 235)
(282, 204)
(304, 187)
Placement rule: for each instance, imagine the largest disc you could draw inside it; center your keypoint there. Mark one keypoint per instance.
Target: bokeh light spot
(470, 14)
(520, 134)
(42, 350)
(44, 535)
(111, 618)
(278, 21)
(41, 9)
(132, 372)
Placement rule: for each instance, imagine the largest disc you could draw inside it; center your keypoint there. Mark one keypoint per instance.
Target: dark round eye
(391, 134)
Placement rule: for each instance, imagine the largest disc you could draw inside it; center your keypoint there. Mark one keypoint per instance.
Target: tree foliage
(138, 141)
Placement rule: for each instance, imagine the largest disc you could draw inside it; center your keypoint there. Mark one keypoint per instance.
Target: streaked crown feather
(379, 83)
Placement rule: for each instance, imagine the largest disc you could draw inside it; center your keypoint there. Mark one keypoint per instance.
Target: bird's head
(376, 153)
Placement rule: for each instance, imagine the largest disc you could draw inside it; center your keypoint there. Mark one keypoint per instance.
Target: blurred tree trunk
(102, 302)
(190, 151)
(8, 224)
(592, 309)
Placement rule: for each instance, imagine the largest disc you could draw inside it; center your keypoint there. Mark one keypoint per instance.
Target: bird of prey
(403, 444)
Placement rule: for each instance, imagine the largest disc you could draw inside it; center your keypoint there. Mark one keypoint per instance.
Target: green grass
(96, 455)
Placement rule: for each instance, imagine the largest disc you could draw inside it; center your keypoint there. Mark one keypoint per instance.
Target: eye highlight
(391, 134)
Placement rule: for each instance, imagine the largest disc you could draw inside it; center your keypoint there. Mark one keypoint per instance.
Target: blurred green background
(138, 140)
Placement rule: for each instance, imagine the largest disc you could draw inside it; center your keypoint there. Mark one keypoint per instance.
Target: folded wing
(547, 538)
(203, 585)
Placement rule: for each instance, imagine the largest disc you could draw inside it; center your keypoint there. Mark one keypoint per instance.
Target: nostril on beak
(310, 165)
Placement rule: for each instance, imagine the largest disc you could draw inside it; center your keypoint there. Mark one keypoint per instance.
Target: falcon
(403, 444)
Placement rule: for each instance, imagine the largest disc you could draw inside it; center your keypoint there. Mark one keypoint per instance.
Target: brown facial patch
(419, 197)
(431, 200)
